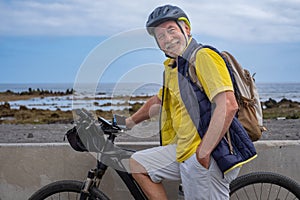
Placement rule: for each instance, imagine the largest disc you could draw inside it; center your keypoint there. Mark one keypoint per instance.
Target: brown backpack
(250, 112)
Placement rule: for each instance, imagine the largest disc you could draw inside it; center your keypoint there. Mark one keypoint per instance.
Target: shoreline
(106, 106)
(284, 109)
(34, 125)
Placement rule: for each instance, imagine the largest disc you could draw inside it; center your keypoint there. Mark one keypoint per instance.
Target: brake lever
(110, 127)
(120, 122)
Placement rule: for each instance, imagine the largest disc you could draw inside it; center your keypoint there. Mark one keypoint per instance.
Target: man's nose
(168, 37)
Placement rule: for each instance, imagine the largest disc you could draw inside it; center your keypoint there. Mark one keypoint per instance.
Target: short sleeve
(159, 94)
(212, 73)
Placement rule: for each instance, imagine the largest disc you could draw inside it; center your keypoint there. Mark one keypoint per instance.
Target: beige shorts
(197, 181)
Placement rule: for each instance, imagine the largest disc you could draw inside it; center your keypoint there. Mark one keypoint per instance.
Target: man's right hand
(129, 123)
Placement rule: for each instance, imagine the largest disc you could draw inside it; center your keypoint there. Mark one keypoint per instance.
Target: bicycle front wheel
(66, 189)
(264, 185)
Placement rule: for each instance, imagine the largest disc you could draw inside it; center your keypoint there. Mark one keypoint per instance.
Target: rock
(30, 135)
(23, 108)
(286, 103)
(54, 115)
(6, 105)
(271, 103)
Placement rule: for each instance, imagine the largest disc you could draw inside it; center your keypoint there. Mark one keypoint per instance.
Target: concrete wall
(25, 168)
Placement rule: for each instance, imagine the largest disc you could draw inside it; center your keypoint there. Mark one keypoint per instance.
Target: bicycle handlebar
(117, 125)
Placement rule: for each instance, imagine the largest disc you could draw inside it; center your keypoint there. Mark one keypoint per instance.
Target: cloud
(68, 17)
(261, 21)
(250, 21)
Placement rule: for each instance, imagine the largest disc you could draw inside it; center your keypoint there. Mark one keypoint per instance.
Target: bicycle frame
(111, 151)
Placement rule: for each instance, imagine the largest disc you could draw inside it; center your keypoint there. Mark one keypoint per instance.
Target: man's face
(170, 38)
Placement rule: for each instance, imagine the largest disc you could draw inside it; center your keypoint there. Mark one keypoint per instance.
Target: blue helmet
(165, 13)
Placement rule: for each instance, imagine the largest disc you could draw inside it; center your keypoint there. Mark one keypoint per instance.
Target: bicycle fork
(94, 178)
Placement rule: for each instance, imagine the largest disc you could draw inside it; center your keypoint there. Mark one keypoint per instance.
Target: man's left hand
(204, 160)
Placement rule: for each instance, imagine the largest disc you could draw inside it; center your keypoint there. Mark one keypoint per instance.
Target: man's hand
(149, 109)
(129, 123)
(203, 159)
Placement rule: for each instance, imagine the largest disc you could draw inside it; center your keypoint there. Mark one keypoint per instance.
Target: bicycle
(256, 185)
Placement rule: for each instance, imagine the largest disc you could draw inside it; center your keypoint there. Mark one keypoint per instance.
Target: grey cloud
(256, 20)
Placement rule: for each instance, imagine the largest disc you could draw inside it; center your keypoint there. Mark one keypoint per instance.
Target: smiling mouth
(172, 46)
(171, 49)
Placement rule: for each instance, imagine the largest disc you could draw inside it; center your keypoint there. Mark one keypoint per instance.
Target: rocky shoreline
(284, 109)
(37, 125)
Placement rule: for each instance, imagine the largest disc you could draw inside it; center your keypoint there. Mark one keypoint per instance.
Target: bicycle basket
(74, 140)
(82, 139)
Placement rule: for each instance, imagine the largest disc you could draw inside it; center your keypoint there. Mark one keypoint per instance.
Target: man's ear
(187, 29)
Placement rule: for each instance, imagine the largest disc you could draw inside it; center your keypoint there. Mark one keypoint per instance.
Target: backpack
(250, 112)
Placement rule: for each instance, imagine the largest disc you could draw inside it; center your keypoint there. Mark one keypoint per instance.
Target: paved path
(147, 131)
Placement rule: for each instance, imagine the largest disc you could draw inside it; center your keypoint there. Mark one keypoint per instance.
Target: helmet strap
(186, 41)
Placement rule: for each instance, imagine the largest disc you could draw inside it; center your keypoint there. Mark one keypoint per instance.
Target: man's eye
(161, 37)
(171, 30)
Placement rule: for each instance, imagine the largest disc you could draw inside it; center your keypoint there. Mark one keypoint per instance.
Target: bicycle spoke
(255, 191)
(263, 191)
(278, 193)
(64, 196)
(245, 190)
(270, 191)
(237, 196)
(264, 186)
(287, 194)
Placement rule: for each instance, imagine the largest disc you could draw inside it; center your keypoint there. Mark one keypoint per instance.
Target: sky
(53, 41)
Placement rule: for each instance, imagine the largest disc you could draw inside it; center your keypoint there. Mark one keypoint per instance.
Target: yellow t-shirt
(214, 77)
(212, 73)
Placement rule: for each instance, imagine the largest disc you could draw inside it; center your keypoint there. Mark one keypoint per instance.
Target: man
(193, 121)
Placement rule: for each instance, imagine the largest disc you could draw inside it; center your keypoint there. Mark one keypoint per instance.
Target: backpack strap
(243, 73)
(227, 57)
(192, 68)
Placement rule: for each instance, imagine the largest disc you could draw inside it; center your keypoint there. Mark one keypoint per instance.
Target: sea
(115, 96)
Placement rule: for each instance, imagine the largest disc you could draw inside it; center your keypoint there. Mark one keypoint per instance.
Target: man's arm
(149, 109)
(226, 108)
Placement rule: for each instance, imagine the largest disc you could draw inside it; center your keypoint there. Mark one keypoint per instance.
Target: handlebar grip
(83, 113)
(104, 121)
(120, 121)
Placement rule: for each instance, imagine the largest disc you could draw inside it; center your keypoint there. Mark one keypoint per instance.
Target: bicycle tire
(66, 188)
(264, 185)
